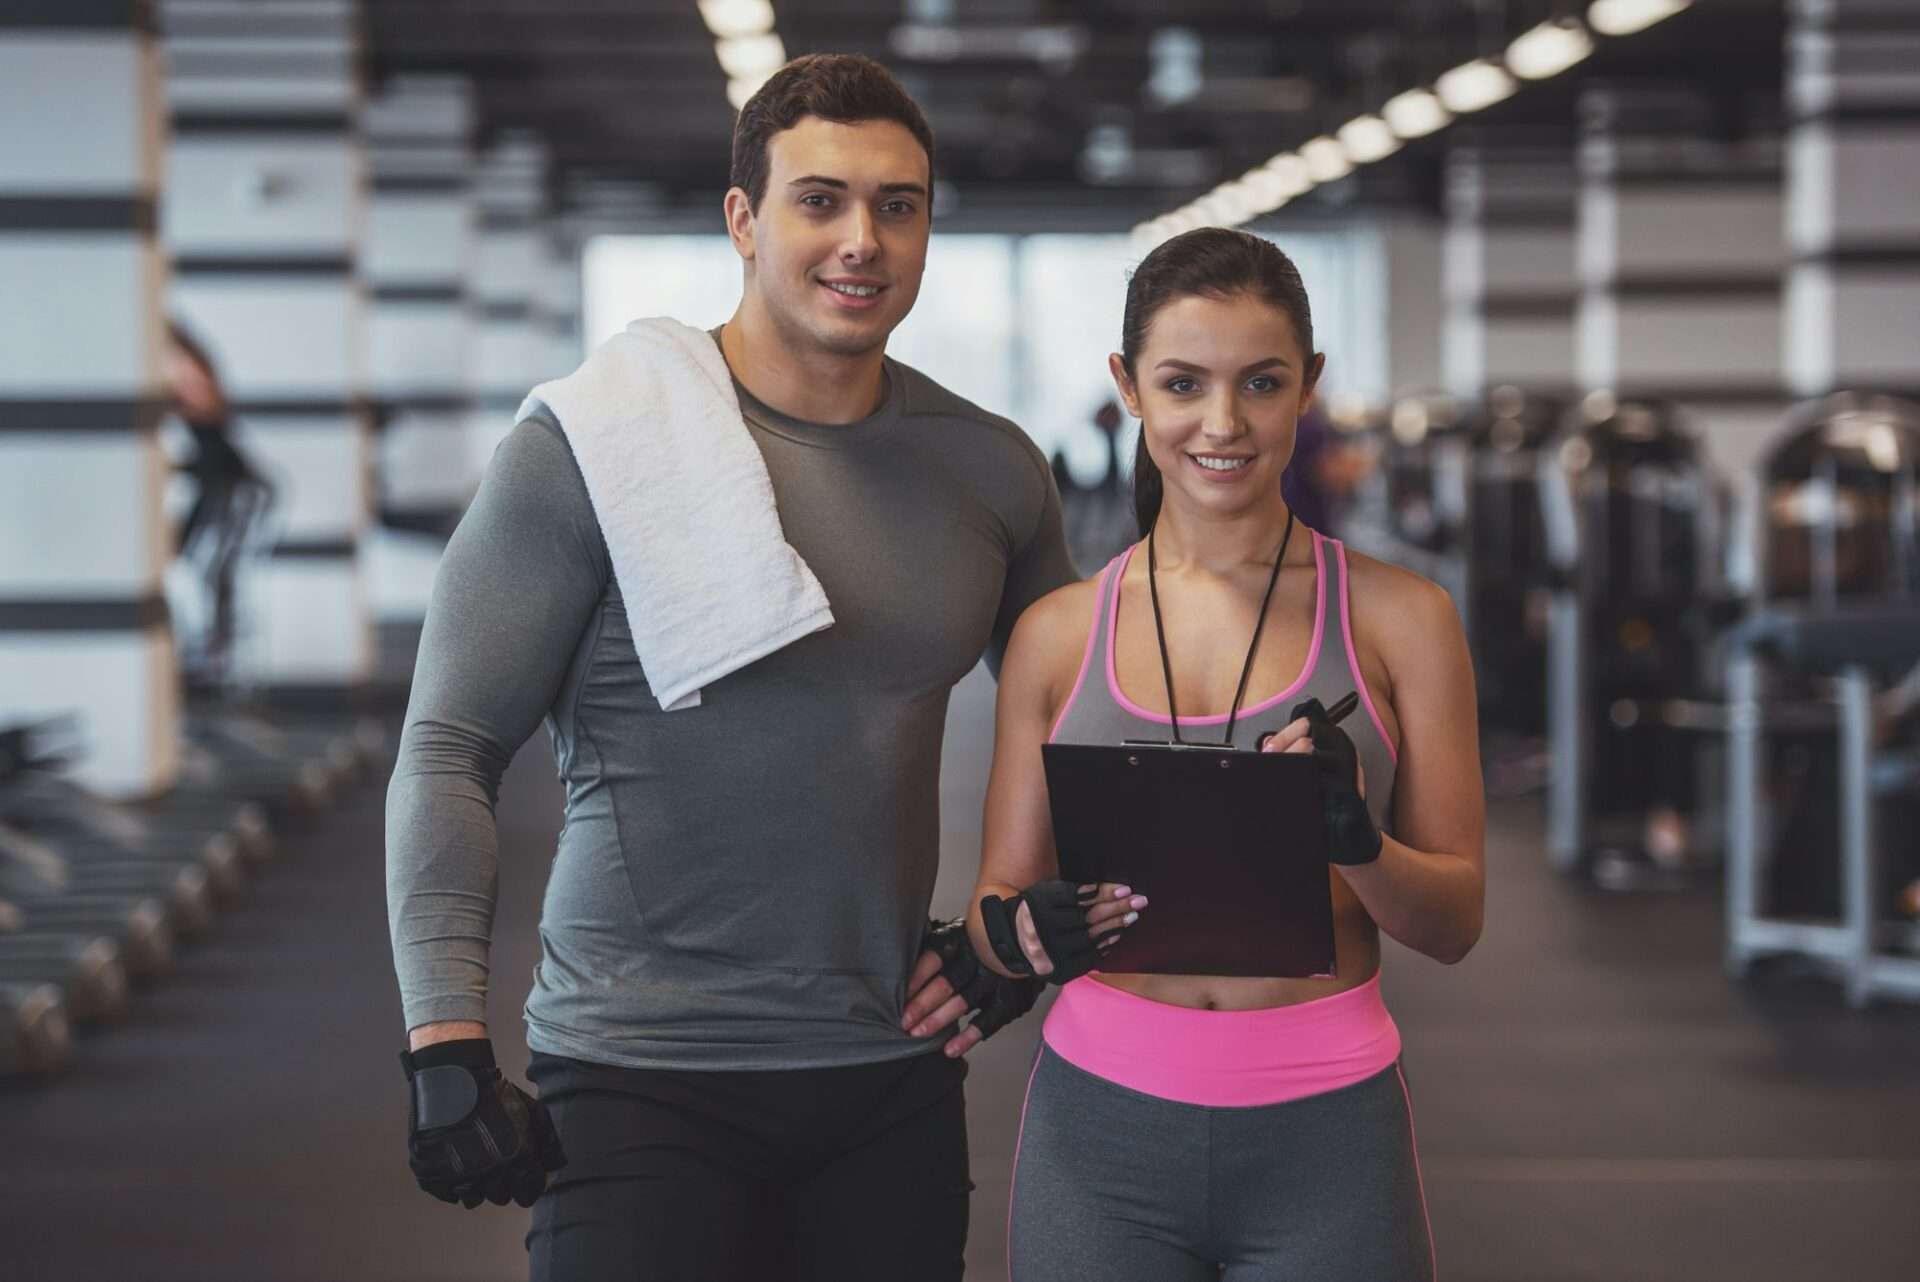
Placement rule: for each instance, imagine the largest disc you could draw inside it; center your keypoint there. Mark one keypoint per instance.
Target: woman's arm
(1017, 851)
(1428, 886)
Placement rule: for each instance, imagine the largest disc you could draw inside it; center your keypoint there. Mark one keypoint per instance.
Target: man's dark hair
(846, 88)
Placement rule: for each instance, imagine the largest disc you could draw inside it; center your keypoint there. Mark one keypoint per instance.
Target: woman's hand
(1297, 736)
(1114, 909)
(1057, 930)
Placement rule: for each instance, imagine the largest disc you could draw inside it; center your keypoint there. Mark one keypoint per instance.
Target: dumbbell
(216, 853)
(139, 926)
(182, 887)
(34, 1038)
(208, 809)
(87, 968)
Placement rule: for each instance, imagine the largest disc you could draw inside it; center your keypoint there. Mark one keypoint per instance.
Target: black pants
(842, 1173)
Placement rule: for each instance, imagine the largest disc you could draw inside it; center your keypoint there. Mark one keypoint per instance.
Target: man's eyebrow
(1254, 368)
(840, 184)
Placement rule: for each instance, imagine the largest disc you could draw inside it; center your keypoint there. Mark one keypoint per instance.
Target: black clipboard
(1230, 847)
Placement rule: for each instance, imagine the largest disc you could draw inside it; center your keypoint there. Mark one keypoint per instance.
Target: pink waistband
(1224, 1058)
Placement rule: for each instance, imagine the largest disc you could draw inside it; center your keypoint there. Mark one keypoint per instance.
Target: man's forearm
(446, 1030)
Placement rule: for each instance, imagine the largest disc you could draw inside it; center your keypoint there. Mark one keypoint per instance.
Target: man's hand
(472, 1135)
(948, 981)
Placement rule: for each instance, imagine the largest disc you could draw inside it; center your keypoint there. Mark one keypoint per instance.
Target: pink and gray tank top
(1099, 712)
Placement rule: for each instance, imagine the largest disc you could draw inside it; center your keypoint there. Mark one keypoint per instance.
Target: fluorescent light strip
(1546, 50)
(1549, 49)
(1624, 17)
(730, 19)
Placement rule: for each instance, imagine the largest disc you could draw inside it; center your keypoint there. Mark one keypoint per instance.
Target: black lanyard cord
(1253, 647)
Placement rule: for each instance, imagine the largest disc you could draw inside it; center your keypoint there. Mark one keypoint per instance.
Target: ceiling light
(741, 88)
(728, 19)
(1474, 85)
(1293, 172)
(1624, 17)
(1549, 48)
(1415, 113)
(1236, 202)
(1367, 139)
(1267, 190)
(744, 57)
(1326, 159)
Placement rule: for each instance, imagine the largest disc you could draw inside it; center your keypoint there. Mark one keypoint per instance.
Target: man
(736, 915)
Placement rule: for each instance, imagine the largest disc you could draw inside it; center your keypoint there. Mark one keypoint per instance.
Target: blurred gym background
(1621, 304)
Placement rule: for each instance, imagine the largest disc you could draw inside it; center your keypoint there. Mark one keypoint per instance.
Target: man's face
(838, 245)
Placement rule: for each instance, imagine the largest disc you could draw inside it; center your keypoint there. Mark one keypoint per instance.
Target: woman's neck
(1184, 539)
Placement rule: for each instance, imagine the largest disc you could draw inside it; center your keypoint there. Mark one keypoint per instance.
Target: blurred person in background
(230, 497)
(743, 1030)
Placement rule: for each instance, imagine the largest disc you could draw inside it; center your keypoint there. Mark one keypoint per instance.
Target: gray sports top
(741, 885)
(1098, 712)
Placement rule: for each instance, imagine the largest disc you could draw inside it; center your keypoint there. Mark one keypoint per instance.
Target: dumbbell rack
(1862, 949)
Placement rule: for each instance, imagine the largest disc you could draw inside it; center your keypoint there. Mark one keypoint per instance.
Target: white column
(1509, 270)
(83, 545)
(1853, 197)
(265, 217)
(1411, 244)
(512, 352)
(422, 247)
(1681, 267)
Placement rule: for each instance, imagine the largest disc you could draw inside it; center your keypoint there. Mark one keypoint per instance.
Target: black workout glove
(1060, 916)
(998, 1000)
(1351, 837)
(472, 1135)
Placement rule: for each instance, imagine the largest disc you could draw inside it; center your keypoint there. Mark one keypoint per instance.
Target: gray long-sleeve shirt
(740, 885)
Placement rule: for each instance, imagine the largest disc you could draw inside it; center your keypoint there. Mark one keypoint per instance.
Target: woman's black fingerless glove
(1352, 837)
(1059, 911)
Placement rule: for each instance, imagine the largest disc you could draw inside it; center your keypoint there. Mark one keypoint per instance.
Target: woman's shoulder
(1394, 609)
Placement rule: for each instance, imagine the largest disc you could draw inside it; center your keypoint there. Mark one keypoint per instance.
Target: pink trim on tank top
(1086, 660)
(1353, 657)
(1306, 671)
(1223, 1058)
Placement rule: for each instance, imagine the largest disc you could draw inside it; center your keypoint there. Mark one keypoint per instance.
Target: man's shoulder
(926, 398)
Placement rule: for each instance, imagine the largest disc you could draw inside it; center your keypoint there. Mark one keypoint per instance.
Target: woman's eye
(1262, 383)
(1181, 386)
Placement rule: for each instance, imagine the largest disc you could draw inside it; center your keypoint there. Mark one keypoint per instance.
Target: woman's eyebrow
(1256, 367)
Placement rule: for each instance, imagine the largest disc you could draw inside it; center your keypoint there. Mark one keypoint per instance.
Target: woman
(1193, 1127)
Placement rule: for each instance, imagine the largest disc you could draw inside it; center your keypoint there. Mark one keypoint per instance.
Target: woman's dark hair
(1212, 262)
(845, 88)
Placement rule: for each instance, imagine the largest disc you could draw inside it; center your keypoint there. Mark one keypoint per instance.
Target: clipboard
(1230, 846)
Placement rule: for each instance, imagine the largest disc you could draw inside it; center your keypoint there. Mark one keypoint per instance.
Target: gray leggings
(1111, 1185)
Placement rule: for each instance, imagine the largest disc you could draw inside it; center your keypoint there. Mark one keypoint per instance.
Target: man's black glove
(1351, 837)
(1059, 911)
(998, 1000)
(472, 1135)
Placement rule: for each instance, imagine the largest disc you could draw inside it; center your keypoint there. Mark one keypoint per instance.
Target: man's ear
(739, 211)
(1123, 383)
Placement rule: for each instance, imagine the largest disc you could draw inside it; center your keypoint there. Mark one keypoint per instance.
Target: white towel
(683, 498)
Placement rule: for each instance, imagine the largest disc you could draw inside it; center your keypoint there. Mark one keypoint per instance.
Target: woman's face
(1218, 387)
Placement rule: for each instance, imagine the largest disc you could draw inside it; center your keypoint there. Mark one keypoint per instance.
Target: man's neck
(813, 386)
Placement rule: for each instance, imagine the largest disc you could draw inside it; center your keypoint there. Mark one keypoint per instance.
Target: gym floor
(1594, 1100)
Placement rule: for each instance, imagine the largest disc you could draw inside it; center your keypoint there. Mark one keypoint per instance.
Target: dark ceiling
(629, 96)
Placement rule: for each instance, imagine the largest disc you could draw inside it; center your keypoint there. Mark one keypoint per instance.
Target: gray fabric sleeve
(521, 579)
(1041, 565)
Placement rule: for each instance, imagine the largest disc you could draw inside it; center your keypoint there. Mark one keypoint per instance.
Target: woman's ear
(1311, 383)
(1129, 395)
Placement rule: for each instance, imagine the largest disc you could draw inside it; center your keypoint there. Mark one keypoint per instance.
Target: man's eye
(900, 207)
(819, 200)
